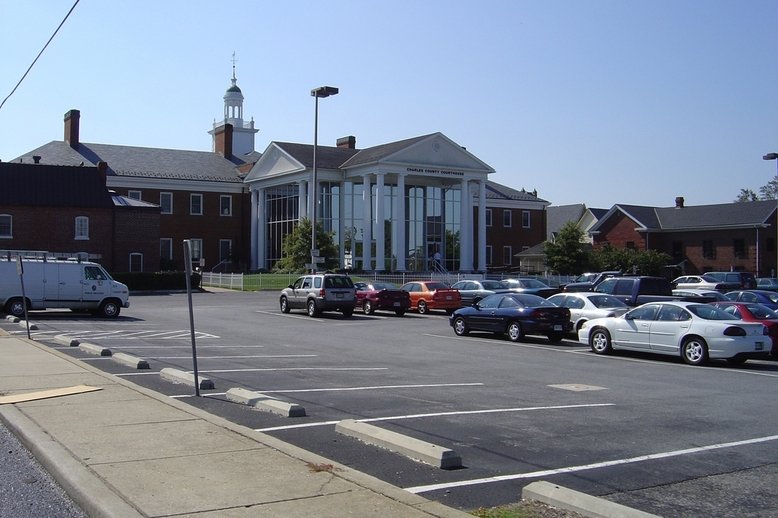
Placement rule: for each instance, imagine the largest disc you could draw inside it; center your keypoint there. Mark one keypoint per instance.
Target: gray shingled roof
(142, 162)
(496, 191)
(699, 217)
(52, 186)
(327, 157)
(558, 215)
(374, 154)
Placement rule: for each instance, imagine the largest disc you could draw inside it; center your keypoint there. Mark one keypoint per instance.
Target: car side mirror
(290, 286)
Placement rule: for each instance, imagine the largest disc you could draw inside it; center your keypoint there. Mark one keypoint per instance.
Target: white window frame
(135, 195)
(488, 217)
(162, 205)
(10, 220)
(197, 249)
(228, 211)
(192, 197)
(169, 251)
(507, 253)
(507, 218)
(81, 224)
(489, 255)
(526, 219)
(136, 254)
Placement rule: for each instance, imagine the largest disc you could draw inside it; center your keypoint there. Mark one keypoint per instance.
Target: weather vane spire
(234, 60)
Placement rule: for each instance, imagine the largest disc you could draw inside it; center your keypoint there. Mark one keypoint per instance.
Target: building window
(136, 262)
(677, 250)
(82, 227)
(225, 249)
(225, 205)
(739, 247)
(166, 202)
(6, 226)
(197, 249)
(506, 218)
(488, 255)
(708, 250)
(134, 195)
(507, 255)
(196, 204)
(525, 219)
(488, 217)
(166, 254)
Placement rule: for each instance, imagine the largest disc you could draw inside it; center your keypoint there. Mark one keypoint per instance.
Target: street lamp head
(770, 156)
(324, 91)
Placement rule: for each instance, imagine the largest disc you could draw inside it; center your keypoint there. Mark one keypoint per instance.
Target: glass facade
(432, 223)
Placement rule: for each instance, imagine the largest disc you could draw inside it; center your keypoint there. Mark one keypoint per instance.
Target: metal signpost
(188, 268)
(20, 271)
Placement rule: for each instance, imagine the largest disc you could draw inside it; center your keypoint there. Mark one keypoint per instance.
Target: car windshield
(586, 277)
(532, 301)
(338, 282)
(378, 286)
(761, 311)
(709, 278)
(771, 296)
(432, 286)
(607, 301)
(493, 285)
(708, 312)
(531, 283)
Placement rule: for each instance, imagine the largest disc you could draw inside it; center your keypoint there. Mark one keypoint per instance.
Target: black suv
(320, 292)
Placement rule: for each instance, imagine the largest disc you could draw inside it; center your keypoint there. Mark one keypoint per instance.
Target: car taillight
(322, 293)
(735, 331)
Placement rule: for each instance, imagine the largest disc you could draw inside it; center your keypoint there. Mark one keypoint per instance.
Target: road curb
(587, 505)
(264, 402)
(179, 376)
(130, 360)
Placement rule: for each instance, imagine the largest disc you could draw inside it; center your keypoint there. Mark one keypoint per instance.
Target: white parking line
(222, 371)
(438, 414)
(237, 357)
(595, 465)
(345, 389)
(549, 347)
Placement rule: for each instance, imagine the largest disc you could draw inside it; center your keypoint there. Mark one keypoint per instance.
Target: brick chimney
(71, 128)
(349, 142)
(102, 170)
(679, 202)
(223, 140)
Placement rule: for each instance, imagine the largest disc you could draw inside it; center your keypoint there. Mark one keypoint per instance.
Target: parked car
(702, 293)
(473, 290)
(767, 283)
(703, 282)
(516, 314)
(427, 295)
(695, 332)
(320, 292)
(744, 280)
(768, 298)
(586, 305)
(589, 281)
(751, 312)
(634, 291)
(531, 286)
(381, 295)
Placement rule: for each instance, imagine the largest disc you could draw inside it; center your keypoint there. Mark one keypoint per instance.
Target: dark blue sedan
(515, 314)
(764, 297)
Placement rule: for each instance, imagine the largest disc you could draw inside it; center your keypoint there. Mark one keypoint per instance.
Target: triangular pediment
(274, 162)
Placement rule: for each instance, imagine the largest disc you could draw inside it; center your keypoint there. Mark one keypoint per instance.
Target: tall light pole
(322, 91)
(774, 156)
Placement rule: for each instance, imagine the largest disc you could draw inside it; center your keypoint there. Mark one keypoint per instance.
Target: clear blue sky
(587, 101)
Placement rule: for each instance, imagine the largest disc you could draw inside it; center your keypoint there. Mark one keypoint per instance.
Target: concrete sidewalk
(125, 451)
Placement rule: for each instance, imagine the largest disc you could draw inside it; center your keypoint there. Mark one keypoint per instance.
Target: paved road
(642, 430)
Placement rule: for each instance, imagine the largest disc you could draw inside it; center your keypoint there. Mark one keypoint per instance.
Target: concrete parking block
(264, 402)
(132, 361)
(179, 376)
(563, 498)
(95, 349)
(69, 340)
(414, 449)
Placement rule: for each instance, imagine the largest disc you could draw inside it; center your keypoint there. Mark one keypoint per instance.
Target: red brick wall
(620, 230)
(136, 230)
(516, 236)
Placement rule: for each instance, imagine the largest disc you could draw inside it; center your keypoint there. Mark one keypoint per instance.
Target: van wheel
(15, 307)
(109, 309)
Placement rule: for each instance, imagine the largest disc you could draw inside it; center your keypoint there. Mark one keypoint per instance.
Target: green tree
(629, 260)
(296, 249)
(769, 191)
(567, 254)
(746, 195)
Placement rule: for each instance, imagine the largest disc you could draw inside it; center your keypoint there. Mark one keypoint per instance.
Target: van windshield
(95, 273)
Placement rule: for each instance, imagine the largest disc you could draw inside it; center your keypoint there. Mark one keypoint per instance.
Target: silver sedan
(587, 305)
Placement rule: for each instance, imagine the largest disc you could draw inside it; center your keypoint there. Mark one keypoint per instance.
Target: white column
(302, 200)
(482, 226)
(341, 224)
(261, 226)
(398, 242)
(253, 239)
(465, 215)
(380, 248)
(367, 232)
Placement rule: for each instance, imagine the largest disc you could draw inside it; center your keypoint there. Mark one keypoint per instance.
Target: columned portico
(399, 224)
(482, 226)
(303, 200)
(465, 238)
(254, 228)
(367, 219)
(380, 249)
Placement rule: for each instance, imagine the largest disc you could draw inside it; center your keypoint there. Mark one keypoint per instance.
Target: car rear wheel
(694, 351)
(368, 308)
(399, 312)
(555, 338)
(312, 309)
(285, 305)
(422, 307)
(515, 332)
(600, 341)
(347, 312)
(460, 327)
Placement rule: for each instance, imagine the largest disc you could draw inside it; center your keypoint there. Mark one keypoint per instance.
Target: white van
(76, 285)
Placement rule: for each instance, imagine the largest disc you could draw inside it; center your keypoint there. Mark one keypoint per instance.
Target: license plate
(759, 346)
(396, 304)
(338, 295)
(448, 297)
(557, 327)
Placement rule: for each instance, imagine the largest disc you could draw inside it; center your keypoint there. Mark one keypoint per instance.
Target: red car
(382, 295)
(427, 295)
(755, 312)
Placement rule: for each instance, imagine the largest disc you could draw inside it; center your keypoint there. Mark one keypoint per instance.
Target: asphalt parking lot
(642, 430)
